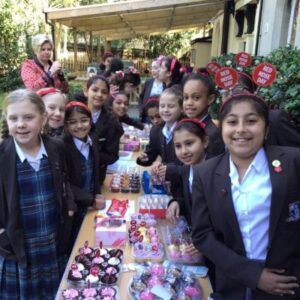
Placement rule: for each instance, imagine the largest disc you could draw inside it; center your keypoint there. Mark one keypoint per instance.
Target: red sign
(264, 74)
(213, 67)
(226, 78)
(243, 59)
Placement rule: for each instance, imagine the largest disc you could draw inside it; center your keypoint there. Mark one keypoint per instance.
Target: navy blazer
(82, 198)
(282, 132)
(12, 239)
(216, 231)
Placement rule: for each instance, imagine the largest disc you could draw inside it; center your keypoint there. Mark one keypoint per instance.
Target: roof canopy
(127, 19)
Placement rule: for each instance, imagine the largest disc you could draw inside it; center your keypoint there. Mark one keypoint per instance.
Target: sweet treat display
(146, 240)
(177, 240)
(89, 293)
(154, 204)
(98, 267)
(126, 181)
(151, 282)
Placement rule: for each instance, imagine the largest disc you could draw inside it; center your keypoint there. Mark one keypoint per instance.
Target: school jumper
(107, 132)
(216, 231)
(34, 215)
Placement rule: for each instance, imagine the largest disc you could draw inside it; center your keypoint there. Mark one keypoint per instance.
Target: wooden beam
(171, 19)
(121, 8)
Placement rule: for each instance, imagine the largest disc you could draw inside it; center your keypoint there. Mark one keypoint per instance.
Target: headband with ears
(192, 120)
(45, 91)
(80, 104)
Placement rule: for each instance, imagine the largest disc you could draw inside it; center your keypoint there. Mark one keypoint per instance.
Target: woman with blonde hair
(41, 72)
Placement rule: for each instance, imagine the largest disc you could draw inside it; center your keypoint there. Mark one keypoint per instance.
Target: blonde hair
(22, 95)
(39, 40)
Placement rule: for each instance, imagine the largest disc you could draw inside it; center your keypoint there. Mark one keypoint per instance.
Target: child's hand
(154, 169)
(55, 68)
(143, 156)
(161, 171)
(173, 212)
(113, 89)
(192, 250)
(70, 213)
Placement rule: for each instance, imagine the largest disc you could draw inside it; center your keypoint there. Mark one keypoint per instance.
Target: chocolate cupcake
(114, 261)
(89, 292)
(111, 270)
(82, 259)
(75, 274)
(70, 294)
(109, 279)
(116, 253)
(107, 291)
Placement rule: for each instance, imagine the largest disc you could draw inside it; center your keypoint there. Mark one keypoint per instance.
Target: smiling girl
(246, 208)
(107, 129)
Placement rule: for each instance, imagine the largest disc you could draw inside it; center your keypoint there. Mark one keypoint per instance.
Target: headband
(173, 62)
(80, 104)
(46, 91)
(152, 99)
(120, 74)
(193, 120)
(254, 97)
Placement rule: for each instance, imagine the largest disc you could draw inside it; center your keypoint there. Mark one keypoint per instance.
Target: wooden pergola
(127, 19)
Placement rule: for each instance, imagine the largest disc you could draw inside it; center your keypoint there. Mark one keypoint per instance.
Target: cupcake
(87, 251)
(82, 259)
(97, 260)
(70, 294)
(74, 273)
(107, 291)
(89, 292)
(93, 277)
(112, 270)
(114, 261)
(109, 279)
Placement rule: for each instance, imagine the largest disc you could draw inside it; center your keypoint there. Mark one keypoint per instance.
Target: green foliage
(167, 44)
(74, 87)
(284, 93)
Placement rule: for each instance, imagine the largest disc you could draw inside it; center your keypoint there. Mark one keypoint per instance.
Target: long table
(87, 233)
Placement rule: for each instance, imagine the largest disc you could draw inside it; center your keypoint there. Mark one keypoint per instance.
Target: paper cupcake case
(96, 293)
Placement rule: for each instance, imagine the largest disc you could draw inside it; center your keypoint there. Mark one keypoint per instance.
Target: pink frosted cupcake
(89, 292)
(70, 294)
(146, 295)
(107, 292)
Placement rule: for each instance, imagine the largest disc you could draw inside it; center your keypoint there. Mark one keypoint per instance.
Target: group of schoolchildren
(237, 183)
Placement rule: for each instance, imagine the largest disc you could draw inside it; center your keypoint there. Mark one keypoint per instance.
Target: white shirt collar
(83, 147)
(22, 155)
(96, 115)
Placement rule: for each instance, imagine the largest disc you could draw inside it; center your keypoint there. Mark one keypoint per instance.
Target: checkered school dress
(39, 280)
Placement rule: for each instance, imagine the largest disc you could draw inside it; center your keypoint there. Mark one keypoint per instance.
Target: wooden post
(75, 50)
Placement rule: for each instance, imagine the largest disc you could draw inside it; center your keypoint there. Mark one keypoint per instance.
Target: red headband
(152, 100)
(46, 91)
(173, 62)
(194, 120)
(80, 104)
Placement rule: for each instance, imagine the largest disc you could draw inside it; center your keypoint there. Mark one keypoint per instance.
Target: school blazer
(81, 197)
(180, 182)
(12, 239)
(216, 231)
(282, 131)
(107, 132)
(158, 147)
(216, 144)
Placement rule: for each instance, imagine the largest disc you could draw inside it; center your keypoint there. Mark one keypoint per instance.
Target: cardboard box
(111, 232)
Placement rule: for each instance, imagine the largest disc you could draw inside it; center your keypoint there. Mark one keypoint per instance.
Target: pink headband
(193, 120)
(45, 91)
(173, 62)
(152, 100)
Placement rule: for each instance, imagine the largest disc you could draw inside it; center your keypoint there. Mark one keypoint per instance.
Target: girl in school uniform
(55, 103)
(152, 110)
(161, 141)
(119, 105)
(107, 129)
(82, 161)
(190, 142)
(198, 95)
(36, 203)
(170, 72)
(245, 208)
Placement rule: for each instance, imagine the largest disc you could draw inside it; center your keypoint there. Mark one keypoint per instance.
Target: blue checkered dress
(39, 219)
